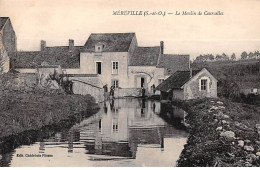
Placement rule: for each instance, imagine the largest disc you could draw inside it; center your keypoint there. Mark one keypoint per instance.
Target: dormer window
(99, 48)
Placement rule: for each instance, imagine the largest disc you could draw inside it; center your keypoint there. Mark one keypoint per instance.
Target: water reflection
(125, 132)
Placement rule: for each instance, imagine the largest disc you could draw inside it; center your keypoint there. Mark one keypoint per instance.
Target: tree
(256, 54)
(211, 57)
(224, 57)
(250, 55)
(244, 55)
(218, 57)
(233, 57)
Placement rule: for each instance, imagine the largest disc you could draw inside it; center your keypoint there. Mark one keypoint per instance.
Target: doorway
(98, 67)
(142, 82)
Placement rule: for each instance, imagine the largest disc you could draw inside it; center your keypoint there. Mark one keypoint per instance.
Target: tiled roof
(113, 42)
(53, 55)
(176, 81)
(2, 22)
(145, 56)
(173, 63)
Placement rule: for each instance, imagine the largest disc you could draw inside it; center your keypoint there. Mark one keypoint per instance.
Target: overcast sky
(58, 20)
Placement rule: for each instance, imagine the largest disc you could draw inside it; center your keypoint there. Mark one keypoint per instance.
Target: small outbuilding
(185, 85)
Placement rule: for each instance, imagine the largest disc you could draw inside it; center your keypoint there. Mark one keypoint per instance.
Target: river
(125, 132)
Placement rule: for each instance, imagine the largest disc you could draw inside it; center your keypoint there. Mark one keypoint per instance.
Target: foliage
(205, 146)
(233, 57)
(66, 84)
(244, 55)
(222, 57)
(228, 88)
(205, 57)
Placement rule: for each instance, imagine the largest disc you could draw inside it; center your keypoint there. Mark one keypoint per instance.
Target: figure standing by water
(112, 89)
(153, 89)
(105, 88)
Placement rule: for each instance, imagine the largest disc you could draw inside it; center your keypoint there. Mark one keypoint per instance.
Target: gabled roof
(176, 81)
(53, 55)
(113, 42)
(173, 63)
(3, 21)
(145, 56)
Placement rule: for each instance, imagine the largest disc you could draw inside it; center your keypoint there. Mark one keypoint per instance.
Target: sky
(56, 21)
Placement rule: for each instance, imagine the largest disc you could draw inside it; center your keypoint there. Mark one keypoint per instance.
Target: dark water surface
(125, 132)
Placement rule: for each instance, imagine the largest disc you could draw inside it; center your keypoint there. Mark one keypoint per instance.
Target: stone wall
(26, 70)
(84, 89)
(9, 38)
(135, 92)
(192, 88)
(4, 59)
(178, 94)
(71, 71)
(90, 80)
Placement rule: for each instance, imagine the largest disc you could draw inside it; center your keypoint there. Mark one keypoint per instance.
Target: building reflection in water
(120, 129)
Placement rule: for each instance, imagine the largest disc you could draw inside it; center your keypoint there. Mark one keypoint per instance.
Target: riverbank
(24, 106)
(222, 133)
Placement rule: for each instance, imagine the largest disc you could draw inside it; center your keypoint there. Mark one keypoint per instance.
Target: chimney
(43, 45)
(71, 44)
(162, 46)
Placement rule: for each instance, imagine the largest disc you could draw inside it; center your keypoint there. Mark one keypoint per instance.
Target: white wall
(26, 70)
(72, 71)
(88, 66)
(150, 73)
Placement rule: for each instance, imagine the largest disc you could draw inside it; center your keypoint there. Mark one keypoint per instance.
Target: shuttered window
(115, 67)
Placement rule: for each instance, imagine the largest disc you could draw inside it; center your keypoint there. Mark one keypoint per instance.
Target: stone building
(108, 59)
(7, 43)
(184, 85)
(119, 61)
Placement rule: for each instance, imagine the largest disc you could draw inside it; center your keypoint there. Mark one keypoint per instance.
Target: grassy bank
(24, 107)
(221, 134)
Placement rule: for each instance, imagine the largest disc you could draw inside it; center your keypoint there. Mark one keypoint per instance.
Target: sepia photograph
(129, 83)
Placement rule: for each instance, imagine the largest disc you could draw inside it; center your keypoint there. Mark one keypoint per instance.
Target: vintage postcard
(129, 83)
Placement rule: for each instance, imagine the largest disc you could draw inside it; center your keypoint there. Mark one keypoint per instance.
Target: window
(100, 125)
(203, 85)
(160, 80)
(114, 67)
(142, 82)
(115, 83)
(115, 125)
(99, 48)
(98, 67)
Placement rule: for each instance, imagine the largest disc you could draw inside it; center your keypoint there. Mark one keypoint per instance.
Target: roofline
(197, 74)
(6, 22)
(160, 55)
(131, 44)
